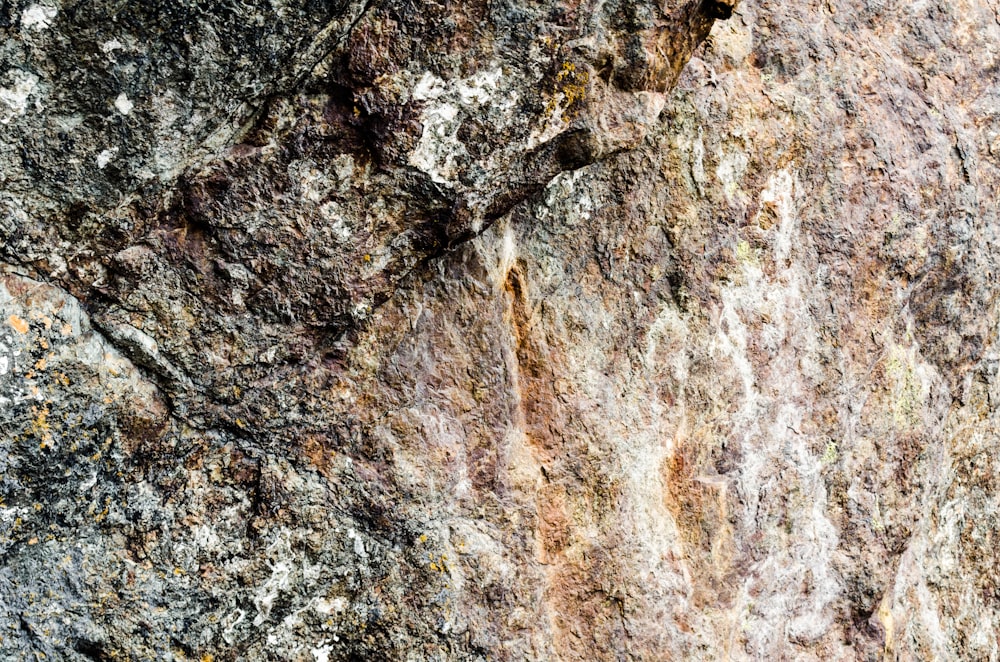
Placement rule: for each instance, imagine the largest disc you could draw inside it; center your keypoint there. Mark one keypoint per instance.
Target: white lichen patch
(206, 537)
(499, 248)
(779, 195)
(694, 149)
(565, 193)
(123, 104)
(281, 571)
(429, 87)
(919, 601)
(171, 134)
(38, 17)
(439, 147)
(313, 181)
(765, 339)
(338, 224)
(439, 150)
(322, 653)
(105, 157)
(9, 514)
(342, 167)
(111, 45)
(337, 605)
(359, 543)
(479, 88)
(230, 623)
(669, 328)
(16, 96)
(698, 161)
(731, 166)
(732, 338)
(9, 351)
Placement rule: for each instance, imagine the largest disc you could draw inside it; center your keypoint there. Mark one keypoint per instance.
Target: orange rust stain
(318, 454)
(700, 510)
(41, 317)
(18, 324)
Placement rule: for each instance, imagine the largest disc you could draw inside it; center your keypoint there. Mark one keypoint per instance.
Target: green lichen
(745, 253)
(907, 391)
(830, 454)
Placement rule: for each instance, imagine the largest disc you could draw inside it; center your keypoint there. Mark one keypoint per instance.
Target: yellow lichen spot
(423, 537)
(33, 541)
(240, 424)
(440, 565)
(207, 657)
(40, 424)
(237, 391)
(570, 91)
(745, 253)
(884, 613)
(368, 258)
(178, 572)
(18, 324)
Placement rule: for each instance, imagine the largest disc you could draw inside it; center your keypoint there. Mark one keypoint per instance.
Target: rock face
(569, 330)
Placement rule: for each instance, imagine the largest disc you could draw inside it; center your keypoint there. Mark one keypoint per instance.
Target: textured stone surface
(499, 330)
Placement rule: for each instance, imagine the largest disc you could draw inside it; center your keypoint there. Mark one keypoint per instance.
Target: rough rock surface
(510, 330)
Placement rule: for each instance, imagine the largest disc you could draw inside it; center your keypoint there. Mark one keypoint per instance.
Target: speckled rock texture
(499, 330)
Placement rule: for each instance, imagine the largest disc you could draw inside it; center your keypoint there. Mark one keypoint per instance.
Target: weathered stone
(498, 330)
